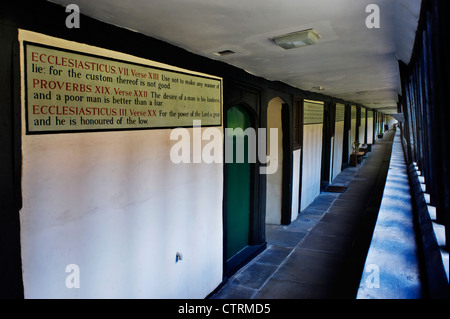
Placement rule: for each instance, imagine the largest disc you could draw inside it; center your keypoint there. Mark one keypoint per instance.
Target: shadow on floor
(321, 254)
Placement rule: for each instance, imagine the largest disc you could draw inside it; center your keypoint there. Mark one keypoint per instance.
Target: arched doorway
(274, 190)
(279, 184)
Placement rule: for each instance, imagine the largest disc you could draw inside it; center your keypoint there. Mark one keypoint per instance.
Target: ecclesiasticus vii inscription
(69, 91)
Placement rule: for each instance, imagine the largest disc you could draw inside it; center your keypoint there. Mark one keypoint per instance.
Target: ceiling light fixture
(297, 39)
(364, 92)
(224, 52)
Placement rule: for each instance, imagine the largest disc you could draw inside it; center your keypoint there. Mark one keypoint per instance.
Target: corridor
(320, 255)
(224, 149)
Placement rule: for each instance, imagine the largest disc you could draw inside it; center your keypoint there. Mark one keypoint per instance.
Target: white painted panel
(338, 148)
(330, 177)
(312, 161)
(275, 181)
(114, 204)
(362, 128)
(296, 184)
(352, 135)
(370, 128)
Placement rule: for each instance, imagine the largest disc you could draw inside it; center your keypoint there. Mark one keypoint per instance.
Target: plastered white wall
(296, 184)
(338, 148)
(370, 129)
(390, 121)
(114, 204)
(352, 135)
(312, 154)
(362, 129)
(275, 181)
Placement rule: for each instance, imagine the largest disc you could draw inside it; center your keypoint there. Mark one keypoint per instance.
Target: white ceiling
(350, 62)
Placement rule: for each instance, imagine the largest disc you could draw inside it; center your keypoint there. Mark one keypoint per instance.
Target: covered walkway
(186, 157)
(321, 254)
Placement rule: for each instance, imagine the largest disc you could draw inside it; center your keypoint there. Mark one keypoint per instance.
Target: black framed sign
(312, 112)
(70, 91)
(340, 112)
(354, 112)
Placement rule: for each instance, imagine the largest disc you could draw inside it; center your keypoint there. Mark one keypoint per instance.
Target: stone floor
(320, 255)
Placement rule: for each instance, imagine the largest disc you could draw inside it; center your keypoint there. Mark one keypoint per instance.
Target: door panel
(238, 189)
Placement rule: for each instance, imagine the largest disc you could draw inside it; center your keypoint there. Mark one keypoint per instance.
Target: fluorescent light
(297, 39)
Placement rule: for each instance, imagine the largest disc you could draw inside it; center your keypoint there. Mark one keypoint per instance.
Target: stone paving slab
(285, 289)
(309, 266)
(274, 255)
(278, 236)
(327, 243)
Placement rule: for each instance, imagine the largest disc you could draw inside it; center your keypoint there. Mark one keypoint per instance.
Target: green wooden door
(238, 189)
